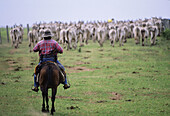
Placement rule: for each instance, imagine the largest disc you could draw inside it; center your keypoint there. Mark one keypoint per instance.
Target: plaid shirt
(45, 47)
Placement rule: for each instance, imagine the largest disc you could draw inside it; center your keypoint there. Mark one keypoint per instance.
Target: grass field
(132, 80)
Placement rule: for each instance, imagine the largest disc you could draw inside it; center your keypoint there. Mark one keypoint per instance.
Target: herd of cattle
(72, 34)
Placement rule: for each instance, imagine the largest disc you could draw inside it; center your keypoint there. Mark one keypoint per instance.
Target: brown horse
(50, 77)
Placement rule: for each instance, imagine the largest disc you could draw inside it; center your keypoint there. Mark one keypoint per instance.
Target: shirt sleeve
(59, 48)
(36, 48)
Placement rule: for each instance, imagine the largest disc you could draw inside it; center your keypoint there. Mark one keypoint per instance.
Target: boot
(66, 86)
(36, 84)
(35, 89)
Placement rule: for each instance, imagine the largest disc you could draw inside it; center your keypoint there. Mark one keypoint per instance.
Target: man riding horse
(48, 49)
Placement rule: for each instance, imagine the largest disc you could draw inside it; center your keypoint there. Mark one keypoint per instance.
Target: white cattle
(144, 34)
(158, 23)
(57, 33)
(121, 35)
(93, 33)
(35, 32)
(101, 35)
(79, 33)
(126, 32)
(137, 34)
(16, 36)
(154, 33)
(132, 25)
(112, 36)
(71, 38)
(62, 39)
(31, 39)
(86, 35)
(41, 32)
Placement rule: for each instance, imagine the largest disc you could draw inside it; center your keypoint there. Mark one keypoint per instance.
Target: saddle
(41, 65)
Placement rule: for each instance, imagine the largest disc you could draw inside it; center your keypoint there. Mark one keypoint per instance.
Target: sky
(32, 11)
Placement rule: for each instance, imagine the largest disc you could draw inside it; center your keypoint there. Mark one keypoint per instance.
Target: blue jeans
(36, 84)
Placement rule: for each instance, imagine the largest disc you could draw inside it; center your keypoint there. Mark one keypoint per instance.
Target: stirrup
(66, 86)
(35, 89)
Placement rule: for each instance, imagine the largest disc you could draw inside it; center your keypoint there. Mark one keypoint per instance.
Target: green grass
(130, 80)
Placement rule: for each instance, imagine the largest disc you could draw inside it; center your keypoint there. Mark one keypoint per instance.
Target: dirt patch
(144, 88)
(88, 51)
(8, 60)
(78, 69)
(2, 83)
(80, 63)
(102, 101)
(119, 73)
(28, 68)
(18, 69)
(116, 58)
(128, 100)
(109, 77)
(134, 72)
(155, 94)
(62, 97)
(16, 81)
(76, 99)
(57, 97)
(115, 96)
(90, 93)
(125, 49)
(32, 63)
(12, 62)
(101, 49)
(73, 107)
(86, 57)
(18, 77)
(12, 51)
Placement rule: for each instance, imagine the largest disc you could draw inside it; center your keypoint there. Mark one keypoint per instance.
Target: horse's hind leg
(47, 106)
(43, 105)
(54, 91)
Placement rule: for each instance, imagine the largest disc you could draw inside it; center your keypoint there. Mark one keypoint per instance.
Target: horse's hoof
(52, 112)
(43, 110)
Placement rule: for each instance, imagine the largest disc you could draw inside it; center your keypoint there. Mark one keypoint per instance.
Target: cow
(31, 39)
(112, 36)
(137, 34)
(40, 33)
(154, 33)
(62, 39)
(71, 38)
(101, 35)
(144, 34)
(121, 35)
(93, 33)
(15, 35)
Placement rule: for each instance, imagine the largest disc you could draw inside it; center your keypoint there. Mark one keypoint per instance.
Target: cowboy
(48, 49)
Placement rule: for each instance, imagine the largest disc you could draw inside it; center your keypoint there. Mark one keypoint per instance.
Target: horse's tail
(49, 72)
